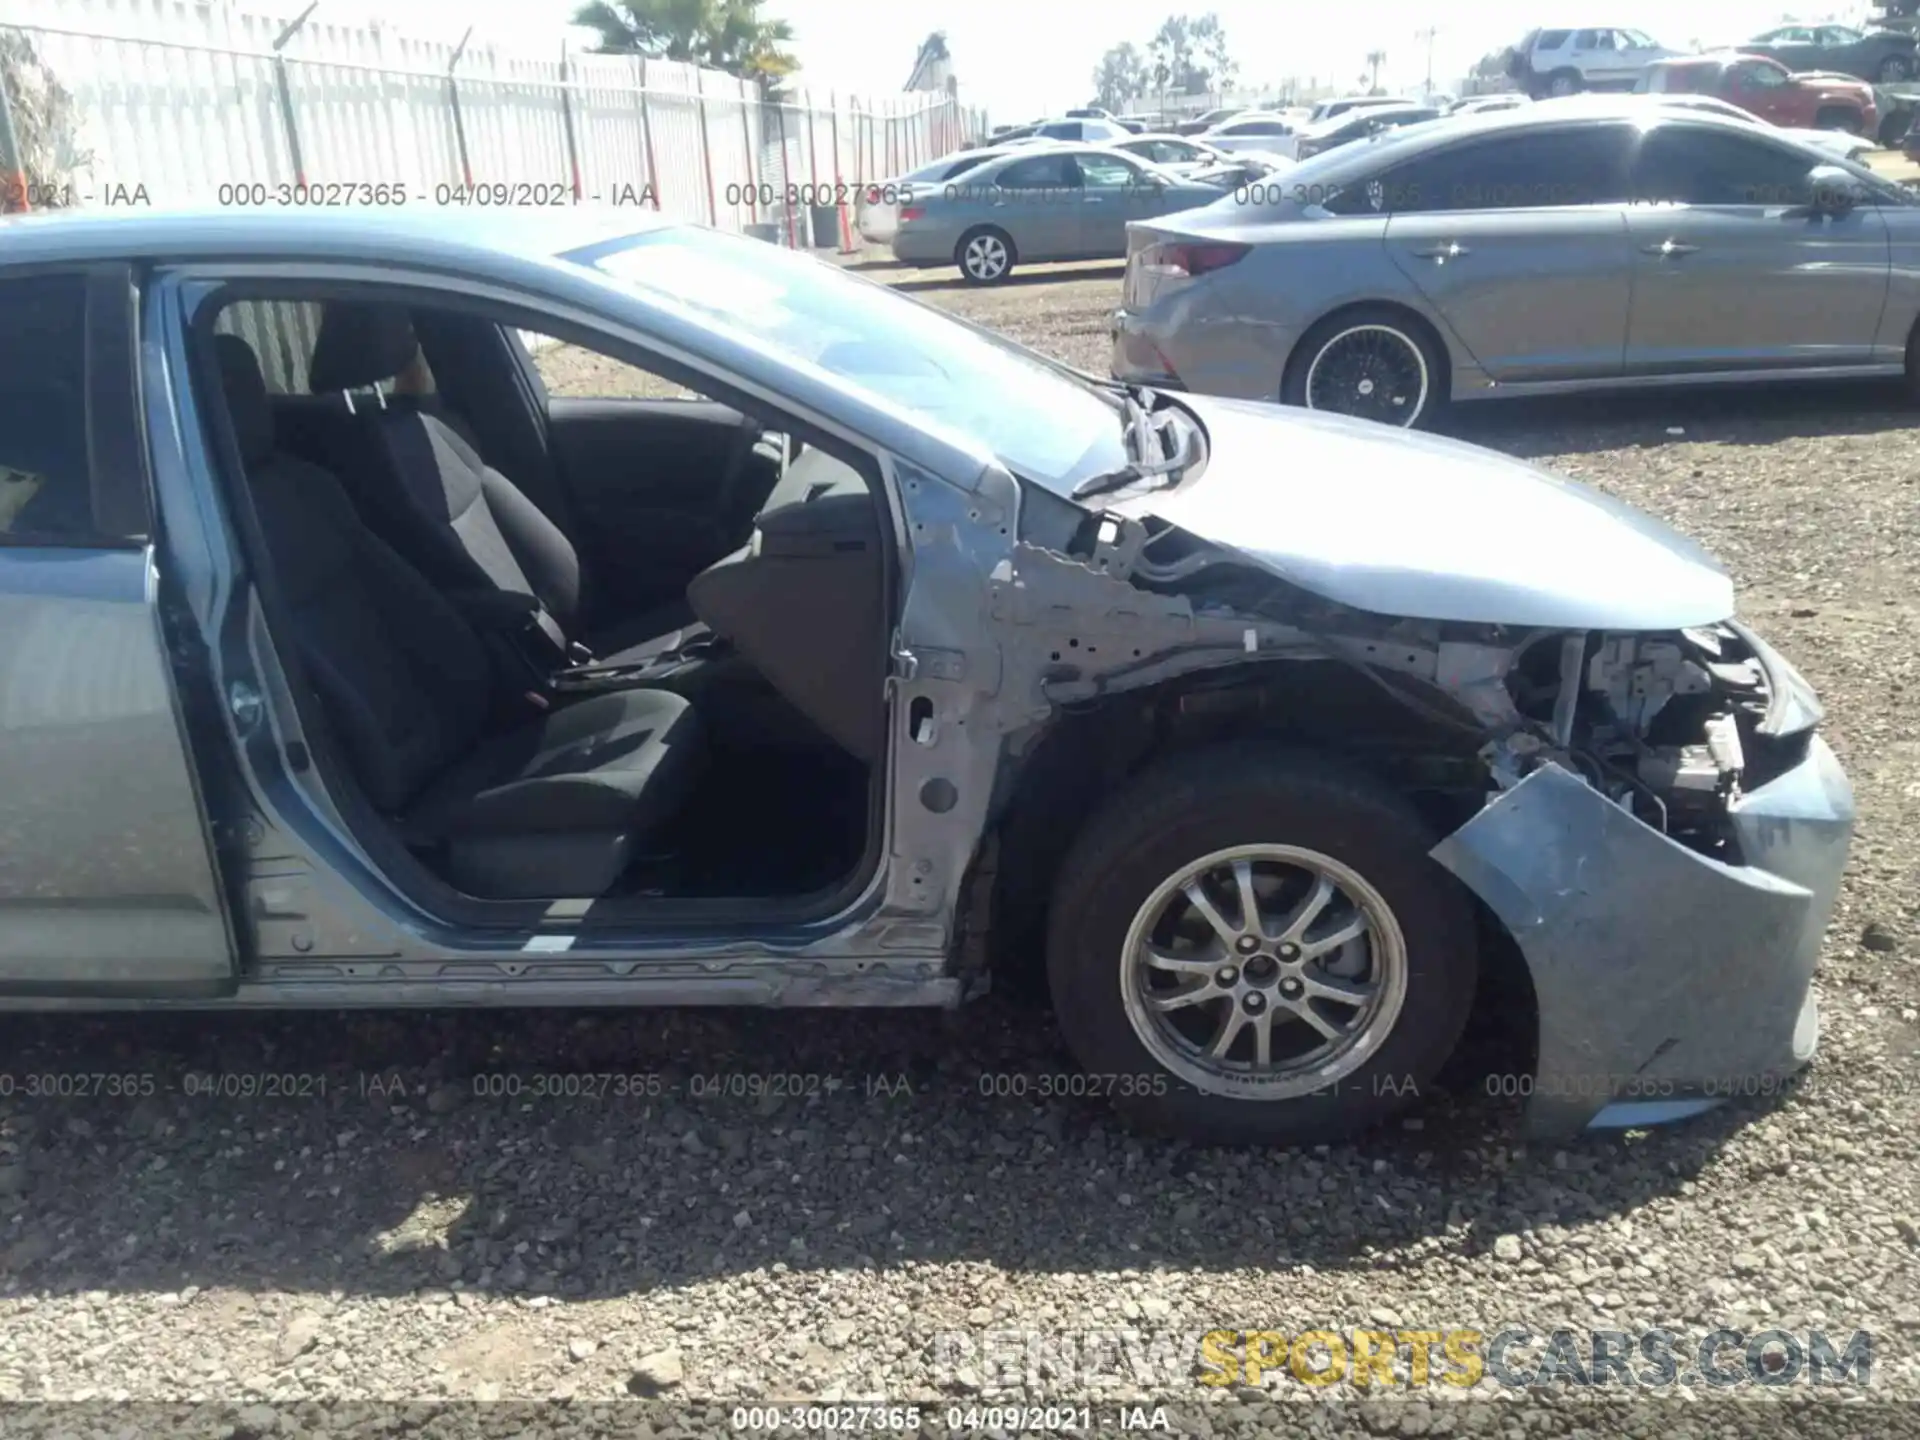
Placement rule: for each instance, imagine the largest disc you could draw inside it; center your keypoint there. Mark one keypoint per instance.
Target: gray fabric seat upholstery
(467, 526)
(514, 802)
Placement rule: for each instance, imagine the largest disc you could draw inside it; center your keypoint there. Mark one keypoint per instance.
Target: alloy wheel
(1374, 372)
(1265, 972)
(985, 257)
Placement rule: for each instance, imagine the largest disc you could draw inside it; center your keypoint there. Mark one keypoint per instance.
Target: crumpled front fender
(1661, 975)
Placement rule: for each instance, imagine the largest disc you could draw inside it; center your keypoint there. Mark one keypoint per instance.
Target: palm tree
(724, 35)
(1375, 59)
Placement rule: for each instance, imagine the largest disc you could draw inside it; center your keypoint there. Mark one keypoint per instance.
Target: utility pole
(1427, 35)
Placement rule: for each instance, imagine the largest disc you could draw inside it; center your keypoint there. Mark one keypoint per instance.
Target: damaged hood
(1406, 524)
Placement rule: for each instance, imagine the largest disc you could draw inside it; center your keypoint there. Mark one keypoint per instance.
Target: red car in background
(1812, 100)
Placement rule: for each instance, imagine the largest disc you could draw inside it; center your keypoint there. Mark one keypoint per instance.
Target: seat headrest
(246, 394)
(360, 345)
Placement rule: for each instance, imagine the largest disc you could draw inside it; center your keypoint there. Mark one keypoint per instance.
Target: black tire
(1913, 364)
(1893, 129)
(1410, 328)
(963, 253)
(1894, 69)
(1563, 82)
(1244, 794)
(1838, 117)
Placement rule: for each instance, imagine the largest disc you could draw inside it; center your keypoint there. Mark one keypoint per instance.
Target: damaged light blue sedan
(817, 648)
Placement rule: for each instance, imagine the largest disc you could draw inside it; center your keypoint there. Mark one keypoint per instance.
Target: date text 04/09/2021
(394, 194)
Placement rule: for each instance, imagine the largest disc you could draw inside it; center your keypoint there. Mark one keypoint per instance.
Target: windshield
(1039, 420)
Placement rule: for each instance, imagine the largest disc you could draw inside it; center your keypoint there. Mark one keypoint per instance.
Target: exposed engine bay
(1663, 725)
(1672, 726)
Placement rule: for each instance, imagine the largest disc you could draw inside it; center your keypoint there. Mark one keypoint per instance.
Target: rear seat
(546, 806)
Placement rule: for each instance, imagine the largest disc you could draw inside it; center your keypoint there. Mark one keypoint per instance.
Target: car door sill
(1509, 389)
(783, 983)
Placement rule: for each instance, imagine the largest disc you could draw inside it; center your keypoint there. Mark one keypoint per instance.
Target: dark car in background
(1884, 57)
(1351, 125)
(1200, 124)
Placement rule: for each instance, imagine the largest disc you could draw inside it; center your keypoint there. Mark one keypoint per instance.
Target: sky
(1025, 58)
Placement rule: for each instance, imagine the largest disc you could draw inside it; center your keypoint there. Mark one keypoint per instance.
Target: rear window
(282, 333)
(1551, 39)
(1675, 79)
(45, 490)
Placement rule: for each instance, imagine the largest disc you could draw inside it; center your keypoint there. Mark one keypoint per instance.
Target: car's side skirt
(401, 985)
(1491, 390)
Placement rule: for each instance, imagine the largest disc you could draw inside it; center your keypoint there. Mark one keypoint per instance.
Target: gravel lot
(402, 1237)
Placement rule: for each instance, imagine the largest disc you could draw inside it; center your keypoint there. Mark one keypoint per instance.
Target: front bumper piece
(1666, 981)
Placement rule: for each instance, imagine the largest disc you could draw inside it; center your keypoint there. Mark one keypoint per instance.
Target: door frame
(338, 873)
(126, 553)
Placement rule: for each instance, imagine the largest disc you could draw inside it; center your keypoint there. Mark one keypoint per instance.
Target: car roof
(1398, 107)
(80, 236)
(1724, 56)
(1401, 144)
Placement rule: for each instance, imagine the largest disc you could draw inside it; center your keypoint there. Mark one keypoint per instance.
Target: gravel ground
(402, 1237)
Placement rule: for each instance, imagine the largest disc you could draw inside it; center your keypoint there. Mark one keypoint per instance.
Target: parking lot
(399, 1230)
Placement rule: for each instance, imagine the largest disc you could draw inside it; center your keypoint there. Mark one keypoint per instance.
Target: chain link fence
(170, 105)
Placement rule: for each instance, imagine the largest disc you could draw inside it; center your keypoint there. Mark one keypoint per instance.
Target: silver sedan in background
(1180, 154)
(1605, 244)
(876, 211)
(1066, 202)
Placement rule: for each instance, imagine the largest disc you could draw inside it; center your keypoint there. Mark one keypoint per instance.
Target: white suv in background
(1563, 62)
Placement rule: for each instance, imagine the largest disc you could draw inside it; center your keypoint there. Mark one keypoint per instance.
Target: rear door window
(45, 474)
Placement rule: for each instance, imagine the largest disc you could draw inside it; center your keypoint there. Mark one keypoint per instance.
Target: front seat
(462, 522)
(545, 805)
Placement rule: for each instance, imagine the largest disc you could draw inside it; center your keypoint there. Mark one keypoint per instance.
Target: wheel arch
(1452, 355)
(1078, 757)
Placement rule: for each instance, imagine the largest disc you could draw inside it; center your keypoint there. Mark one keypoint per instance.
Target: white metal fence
(197, 104)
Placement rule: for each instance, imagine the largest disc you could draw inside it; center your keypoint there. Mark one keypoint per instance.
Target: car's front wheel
(984, 255)
(1374, 363)
(1253, 946)
(1894, 69)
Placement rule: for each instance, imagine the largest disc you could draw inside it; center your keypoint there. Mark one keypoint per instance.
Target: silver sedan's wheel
(1372, 371)
(1264, 971)
(985, 257)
